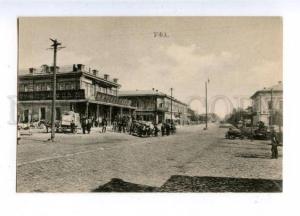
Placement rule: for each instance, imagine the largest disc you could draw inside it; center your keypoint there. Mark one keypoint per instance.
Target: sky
(238, 55)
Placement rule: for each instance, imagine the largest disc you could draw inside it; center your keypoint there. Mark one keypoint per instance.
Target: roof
(275, 88)
(141, 93)
(66, 70)
(137, 93)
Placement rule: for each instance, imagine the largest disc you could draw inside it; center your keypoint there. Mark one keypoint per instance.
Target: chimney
(32, 70)
(95, 72)
(80, 67)
(115, 80)
(106, 76)
(45, 68)
(52, 69)
(74, 68)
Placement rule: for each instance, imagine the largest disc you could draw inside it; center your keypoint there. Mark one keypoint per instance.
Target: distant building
(78, 89)
(265, 101)
(153, 105)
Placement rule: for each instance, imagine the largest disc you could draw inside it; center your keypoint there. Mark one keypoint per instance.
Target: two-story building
(78, 89)
(156, 106)
(267, 101)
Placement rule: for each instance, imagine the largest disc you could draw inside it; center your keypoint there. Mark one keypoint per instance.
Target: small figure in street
(114, 124)
(89, 125)
(124, 124)
(155, 130)
(168, 128)
(274, 143)
(72, 125)
(104, 124)
(83, 125)
(163, 129)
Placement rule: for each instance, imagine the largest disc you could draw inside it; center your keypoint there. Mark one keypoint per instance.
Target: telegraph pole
(55, 47)
(171, 105)
(206, 105)
(271, 109)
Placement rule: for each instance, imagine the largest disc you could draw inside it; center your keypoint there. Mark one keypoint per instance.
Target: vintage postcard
(149, 104)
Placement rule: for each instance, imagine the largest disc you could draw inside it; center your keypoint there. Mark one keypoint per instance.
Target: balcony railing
(47, 95)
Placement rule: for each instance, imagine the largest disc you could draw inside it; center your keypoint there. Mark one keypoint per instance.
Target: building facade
(266, 102)
(79, 89)
(152, 105)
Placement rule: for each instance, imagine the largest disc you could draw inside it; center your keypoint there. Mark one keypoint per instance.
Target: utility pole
(271, 109)
(171, 105)
(206, 127)
(55, 47)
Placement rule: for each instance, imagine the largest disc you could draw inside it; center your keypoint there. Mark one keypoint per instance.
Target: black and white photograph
(149, 104)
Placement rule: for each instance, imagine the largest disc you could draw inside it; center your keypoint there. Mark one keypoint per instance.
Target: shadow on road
(118, 185)
(180, 183)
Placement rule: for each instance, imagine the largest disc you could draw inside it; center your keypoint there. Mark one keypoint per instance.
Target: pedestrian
(124, 123)
(168, 128)
(104, 124)
(115, 125)
(83, 125)
(72, 125)
(119, 125)
(274, 143)
(163, 129)
(89, 125)
(155, 130)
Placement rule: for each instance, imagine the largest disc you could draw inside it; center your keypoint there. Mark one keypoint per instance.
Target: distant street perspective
(149, 104)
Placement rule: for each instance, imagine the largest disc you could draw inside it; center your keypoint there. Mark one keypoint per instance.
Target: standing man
(163, 128)
(89, 125)
(83, 124)
(104, 124)
(72, 126)
(274, 143)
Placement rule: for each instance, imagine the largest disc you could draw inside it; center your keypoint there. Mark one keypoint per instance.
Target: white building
(266, 101)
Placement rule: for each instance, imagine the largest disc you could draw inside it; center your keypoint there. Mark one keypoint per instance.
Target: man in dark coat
(104, 124)
(163, 129)
(83, 125)
(168, 128)
(274, 143)
(72, 125)
(89, 125)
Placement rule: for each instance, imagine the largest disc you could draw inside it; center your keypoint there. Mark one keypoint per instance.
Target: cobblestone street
(75, 163)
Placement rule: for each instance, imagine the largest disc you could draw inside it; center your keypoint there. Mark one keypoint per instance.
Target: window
(48, 86)
(67, 86)
(72, 85)
(26, 115)
(270, 105)
(38, 87)
(21, 87)
(43, 87)
(42, 113)
(61, 86)
(25, 87)
(30, 87)
(58, 113)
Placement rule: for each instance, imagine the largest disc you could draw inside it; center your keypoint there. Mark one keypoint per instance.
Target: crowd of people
(128, 124)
